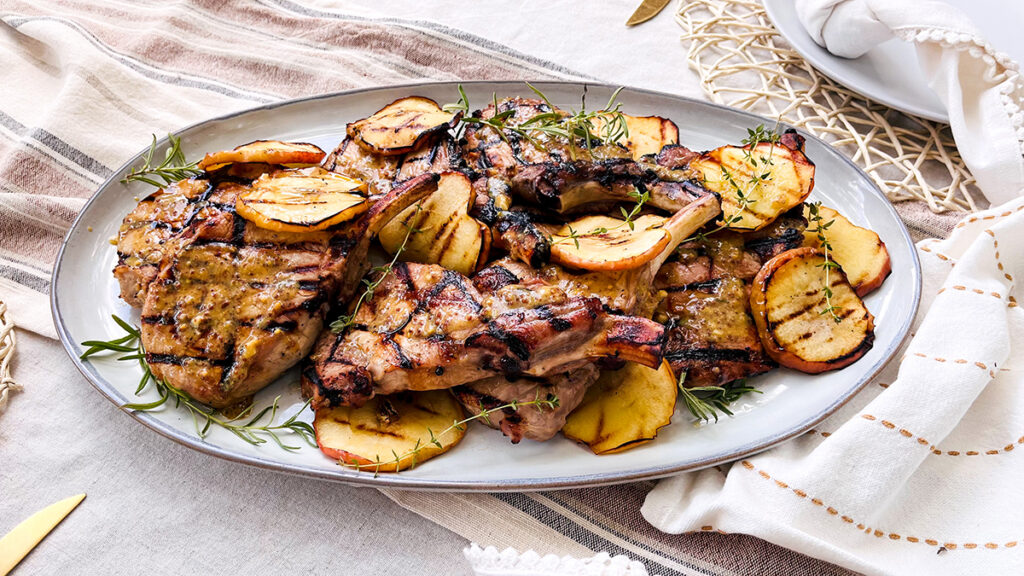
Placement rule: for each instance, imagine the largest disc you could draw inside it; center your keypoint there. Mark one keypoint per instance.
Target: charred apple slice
(265, 152)
(235, 305)
(439, 230)
(628, 291)
(400, 126)
(429, 328)
(302, 200)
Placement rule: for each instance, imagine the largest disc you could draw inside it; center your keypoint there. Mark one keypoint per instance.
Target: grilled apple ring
(789, 306)
(302, 200)
(390, 433)
(266, 152)
(400, 126)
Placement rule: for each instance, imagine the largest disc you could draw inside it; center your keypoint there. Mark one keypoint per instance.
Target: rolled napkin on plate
(920, 472)
(982, 88)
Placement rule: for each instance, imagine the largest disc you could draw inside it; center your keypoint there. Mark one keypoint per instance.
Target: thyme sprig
(589, 127)
(814, 213)
(549, 402)
(346, 320)
(704, 402)
(761, 172)
(629, 219)
(172, 169)
(253, 429)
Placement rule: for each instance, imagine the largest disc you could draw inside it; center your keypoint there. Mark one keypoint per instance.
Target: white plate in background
(889, 73)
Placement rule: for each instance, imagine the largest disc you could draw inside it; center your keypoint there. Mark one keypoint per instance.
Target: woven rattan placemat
(7, 343)
(742, 61)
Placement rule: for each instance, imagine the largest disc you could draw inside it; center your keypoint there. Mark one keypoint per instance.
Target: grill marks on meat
(567, 180)
(234, 305)
(158, 223)
(429, 328)
(513, 230)
(534, 422)
(619, 292)
(714, 339)
(147, 230)
(487, 152)
(383, 173)
(353, 161)
(570, 187)
(441, 156)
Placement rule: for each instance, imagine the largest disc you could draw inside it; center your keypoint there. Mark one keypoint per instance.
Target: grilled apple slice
(390, 433)
(302, 200)
(787, 300)
(609, 244)
(624, 408)
(606, 243)
(398, 127)
(772, 177)
(859, 251)
(443, 231)
(646, 134)
(267, 152)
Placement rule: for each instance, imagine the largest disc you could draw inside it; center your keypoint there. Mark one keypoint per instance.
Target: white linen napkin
(981, 87)
(920, 473)
(510, 562)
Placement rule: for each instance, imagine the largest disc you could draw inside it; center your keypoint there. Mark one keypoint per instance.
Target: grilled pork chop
(713, 338)
(533, 422)
(564, 179)
(149, 231)
(154, 228)
(428, 328)
(234, 305)
(623, 292)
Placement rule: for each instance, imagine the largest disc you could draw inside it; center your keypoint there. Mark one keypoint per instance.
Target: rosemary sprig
(704, 402)
(761, 172)
(573, 127)
(813, 209)
(549, 402)
(172, 169)
(346, 320)
(254, 430)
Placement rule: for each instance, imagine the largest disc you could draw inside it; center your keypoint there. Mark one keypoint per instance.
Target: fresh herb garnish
(172, 169)
(344, 321)
(704, 402)
(629, 218)
(813, 209)
(254, 430)
(589, 128)
(761, 172)
(549, 402)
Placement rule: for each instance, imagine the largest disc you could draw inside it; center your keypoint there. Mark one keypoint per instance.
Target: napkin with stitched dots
(921, 472)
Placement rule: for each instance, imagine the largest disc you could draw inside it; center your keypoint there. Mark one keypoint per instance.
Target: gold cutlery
(648, 9)
(25, 536)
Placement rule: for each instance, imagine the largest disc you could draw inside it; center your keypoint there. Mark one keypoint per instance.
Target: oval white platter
(85, 295)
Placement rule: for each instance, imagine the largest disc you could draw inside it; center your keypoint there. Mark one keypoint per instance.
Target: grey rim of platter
(410, 481)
